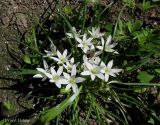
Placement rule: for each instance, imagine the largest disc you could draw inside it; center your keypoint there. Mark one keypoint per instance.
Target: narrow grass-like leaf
(119, 16)
(139, 84)
(27, 59)
(23, 72)
(139, 64)
(55, 111)
(5, 122)
(121, 108)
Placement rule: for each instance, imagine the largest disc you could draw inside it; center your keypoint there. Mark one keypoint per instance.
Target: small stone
(5, 20)
(21, 20)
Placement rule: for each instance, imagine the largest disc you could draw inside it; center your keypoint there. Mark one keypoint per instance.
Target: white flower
(51, 53)
(95, 33)
(46, 67)
(69, 65)
(74, 33)
(62, 58)
(93, 1)
(72, 80)
(93, 71)
(108, 71)
(95, 60)
(84, 43)
(108, 46)
(56, 77)
(42, 72)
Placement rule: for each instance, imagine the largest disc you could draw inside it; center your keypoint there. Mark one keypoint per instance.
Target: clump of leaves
(84, 54)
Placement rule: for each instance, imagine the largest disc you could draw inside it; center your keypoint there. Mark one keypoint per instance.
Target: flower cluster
(67, 73)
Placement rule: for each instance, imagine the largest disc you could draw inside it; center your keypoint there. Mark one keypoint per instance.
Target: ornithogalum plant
(71, 72)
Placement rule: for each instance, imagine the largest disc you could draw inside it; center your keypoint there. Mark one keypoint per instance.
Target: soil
(16, 17)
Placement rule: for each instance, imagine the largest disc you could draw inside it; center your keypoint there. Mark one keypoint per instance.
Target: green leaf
(121, 27)
(146, 5)
(129, 3)
(144, 77)
(5, 122)
(157, 70)
(27, 59)
(137, 25)
(67, 9)
(109, 27)
(139, 64)
(8, 105)
(134, 26)
(55, 111)
(139, 90)
(151, 48)
(151, 121)
(24, 72)
(130, 27)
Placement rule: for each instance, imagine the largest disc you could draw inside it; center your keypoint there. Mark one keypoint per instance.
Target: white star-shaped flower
(74, 33)
(108, 46)
(43, 73)
(84, 43)
(51, 53)
(56, 77)
(95, 33)
(108, 71)
(93, 71)
(69, 65)
(62, 58)
(72, 80)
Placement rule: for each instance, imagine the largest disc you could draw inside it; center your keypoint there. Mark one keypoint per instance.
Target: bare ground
(16, 17)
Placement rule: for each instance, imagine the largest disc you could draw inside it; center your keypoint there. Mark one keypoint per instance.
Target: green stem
(138, 84)
(115, 28)
(84, 17)
(70, 27)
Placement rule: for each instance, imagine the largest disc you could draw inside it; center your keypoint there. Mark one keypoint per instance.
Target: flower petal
(48, 75)
(102, 41)
(78, 40)
(53, 71)
(72, 60)
(88, 65)
(62, 81)
(109, 39)
(59, 54)
(41, 70)
(66, 75)
(99, 47)
(101, 76)
(85, 73)
(44, 78)
(93, 76)
(68, 86)
(79, 79)
(45, 64)
(89, 40)
(54, 58)
(116, 70)
(65, 53)
(75, 88)
(60, 70)
(73, 73)
(110, 64)
(38, 76)
(85, 37)
(106, 77)
(58, 85)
